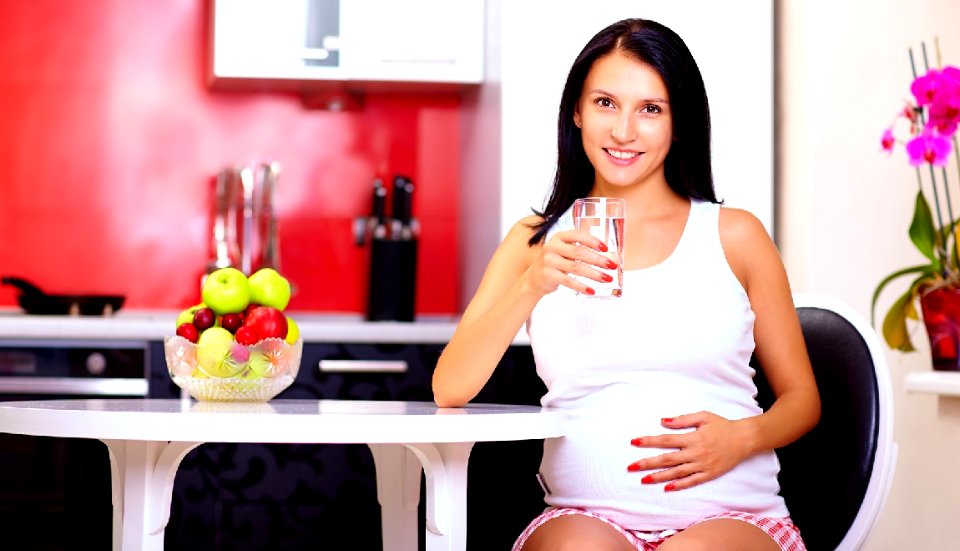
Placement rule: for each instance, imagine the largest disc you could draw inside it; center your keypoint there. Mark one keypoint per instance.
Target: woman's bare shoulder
(748, 246)
(523, 229)
(740, 228)
(527, 224)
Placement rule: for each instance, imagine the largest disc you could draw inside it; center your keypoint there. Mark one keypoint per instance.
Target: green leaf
(895, 322)
(895, 325)
(949, 237)
(927, 271)
(922, 232)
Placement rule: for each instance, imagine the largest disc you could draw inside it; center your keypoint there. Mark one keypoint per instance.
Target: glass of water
(603, 217)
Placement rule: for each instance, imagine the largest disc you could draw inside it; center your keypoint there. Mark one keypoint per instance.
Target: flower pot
(941, 316)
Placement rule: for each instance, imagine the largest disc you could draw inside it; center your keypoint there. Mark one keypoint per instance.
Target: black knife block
(393, 278)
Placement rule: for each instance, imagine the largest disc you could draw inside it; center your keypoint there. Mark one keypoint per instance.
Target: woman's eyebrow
(602, 92)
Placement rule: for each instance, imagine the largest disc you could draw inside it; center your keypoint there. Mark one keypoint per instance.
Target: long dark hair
(687, 166)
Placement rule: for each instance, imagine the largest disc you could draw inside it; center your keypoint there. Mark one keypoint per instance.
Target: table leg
(398, 491)
(142, 475)
(445, 469)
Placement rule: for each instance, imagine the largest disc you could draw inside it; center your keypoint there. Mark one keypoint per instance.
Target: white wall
(844, 209)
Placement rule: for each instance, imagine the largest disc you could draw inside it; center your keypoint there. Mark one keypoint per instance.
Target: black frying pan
(35, 301)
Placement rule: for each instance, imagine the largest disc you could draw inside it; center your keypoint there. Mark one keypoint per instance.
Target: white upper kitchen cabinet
(508, 134)
(350, 41)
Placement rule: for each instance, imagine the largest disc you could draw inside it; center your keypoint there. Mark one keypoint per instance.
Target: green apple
(269, 288)
(187, 315)
(226, 291)
(293, 332)
(213, 347)
(259, 366)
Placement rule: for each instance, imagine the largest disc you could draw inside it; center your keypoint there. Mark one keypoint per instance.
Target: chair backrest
(835, 478)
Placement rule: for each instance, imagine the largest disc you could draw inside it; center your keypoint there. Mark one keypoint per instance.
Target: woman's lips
(620, 156)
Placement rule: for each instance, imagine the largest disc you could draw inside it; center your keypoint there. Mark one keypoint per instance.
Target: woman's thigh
(576, 533)
(720, 534)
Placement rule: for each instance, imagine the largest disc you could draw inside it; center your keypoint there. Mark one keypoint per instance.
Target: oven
(55, 492)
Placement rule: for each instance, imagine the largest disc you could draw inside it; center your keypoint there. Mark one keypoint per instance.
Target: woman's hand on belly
(714, 446)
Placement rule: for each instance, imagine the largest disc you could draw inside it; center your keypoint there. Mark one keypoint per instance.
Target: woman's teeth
(622, 155)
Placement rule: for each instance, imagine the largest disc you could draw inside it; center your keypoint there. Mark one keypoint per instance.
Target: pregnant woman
(666, 446)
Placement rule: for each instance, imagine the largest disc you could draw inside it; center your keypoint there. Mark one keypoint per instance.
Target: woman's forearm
(477, 346)
(792, 415)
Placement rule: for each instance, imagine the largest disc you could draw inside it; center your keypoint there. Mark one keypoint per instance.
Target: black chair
(836, 478)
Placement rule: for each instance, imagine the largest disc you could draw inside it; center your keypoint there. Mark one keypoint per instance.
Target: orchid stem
(956, 152)
(941, 245)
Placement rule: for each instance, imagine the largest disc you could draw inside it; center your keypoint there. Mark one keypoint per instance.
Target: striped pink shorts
(784, 532)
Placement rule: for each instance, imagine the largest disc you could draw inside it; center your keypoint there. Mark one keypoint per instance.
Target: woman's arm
(516, 278)
(780, 347)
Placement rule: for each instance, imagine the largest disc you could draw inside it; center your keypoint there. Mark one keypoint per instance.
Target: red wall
(109, 139)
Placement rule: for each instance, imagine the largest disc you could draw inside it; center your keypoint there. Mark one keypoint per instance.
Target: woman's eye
(604, 102)
(651, 109)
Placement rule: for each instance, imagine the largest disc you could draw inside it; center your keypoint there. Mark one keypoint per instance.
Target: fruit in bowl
(238, 350)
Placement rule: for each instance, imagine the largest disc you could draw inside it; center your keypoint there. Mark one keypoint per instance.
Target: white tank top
(678, 341)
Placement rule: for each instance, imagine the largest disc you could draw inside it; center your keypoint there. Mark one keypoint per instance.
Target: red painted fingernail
(647, 479)
(607, 277)
(667, 419)
(633, 467)
(636, 442)
(669, 487)
(590, 291)
(611, 264)
(603, 247)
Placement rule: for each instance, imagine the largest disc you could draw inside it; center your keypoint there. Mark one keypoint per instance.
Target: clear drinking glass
(603, 218)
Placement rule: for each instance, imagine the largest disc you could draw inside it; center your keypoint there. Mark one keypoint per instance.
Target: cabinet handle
(363, 366)
(70, 385)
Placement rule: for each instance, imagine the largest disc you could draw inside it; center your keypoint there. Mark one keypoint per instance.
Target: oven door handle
(71, 385)
(363, 366)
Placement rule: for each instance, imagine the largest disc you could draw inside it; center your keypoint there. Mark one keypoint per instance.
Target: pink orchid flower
(928, 148)
(887, 141)
(924, 87)
(945, 114)
(945, 107)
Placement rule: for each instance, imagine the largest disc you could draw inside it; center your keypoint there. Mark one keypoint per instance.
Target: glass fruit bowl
(233, 372)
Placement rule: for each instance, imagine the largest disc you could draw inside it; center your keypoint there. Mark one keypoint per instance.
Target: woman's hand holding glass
(565, 255)
(714, 447)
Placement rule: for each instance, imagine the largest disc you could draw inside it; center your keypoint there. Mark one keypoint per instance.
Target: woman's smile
(622, 157)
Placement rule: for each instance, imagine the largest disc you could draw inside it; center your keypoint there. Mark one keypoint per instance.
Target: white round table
(147, 439)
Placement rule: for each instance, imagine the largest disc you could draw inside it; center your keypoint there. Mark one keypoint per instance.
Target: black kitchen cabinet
(54, 489)
(292, 496)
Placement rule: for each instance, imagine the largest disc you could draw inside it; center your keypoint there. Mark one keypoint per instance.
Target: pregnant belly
(588, 469)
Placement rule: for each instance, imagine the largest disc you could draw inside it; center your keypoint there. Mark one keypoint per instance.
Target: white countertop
(154, 325)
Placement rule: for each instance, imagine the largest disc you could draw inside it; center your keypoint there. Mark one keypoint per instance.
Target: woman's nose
(624, 130)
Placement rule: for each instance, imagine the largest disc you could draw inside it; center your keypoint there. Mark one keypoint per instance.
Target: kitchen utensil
(224, 233)
(35, 301)
(266, 216)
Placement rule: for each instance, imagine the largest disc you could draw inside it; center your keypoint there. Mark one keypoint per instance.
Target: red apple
(267, 321)
(247, 336)
(231, 322)
(204, 318)
(188, 331)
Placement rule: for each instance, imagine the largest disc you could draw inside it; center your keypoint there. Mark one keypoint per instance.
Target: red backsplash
(110, 138)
